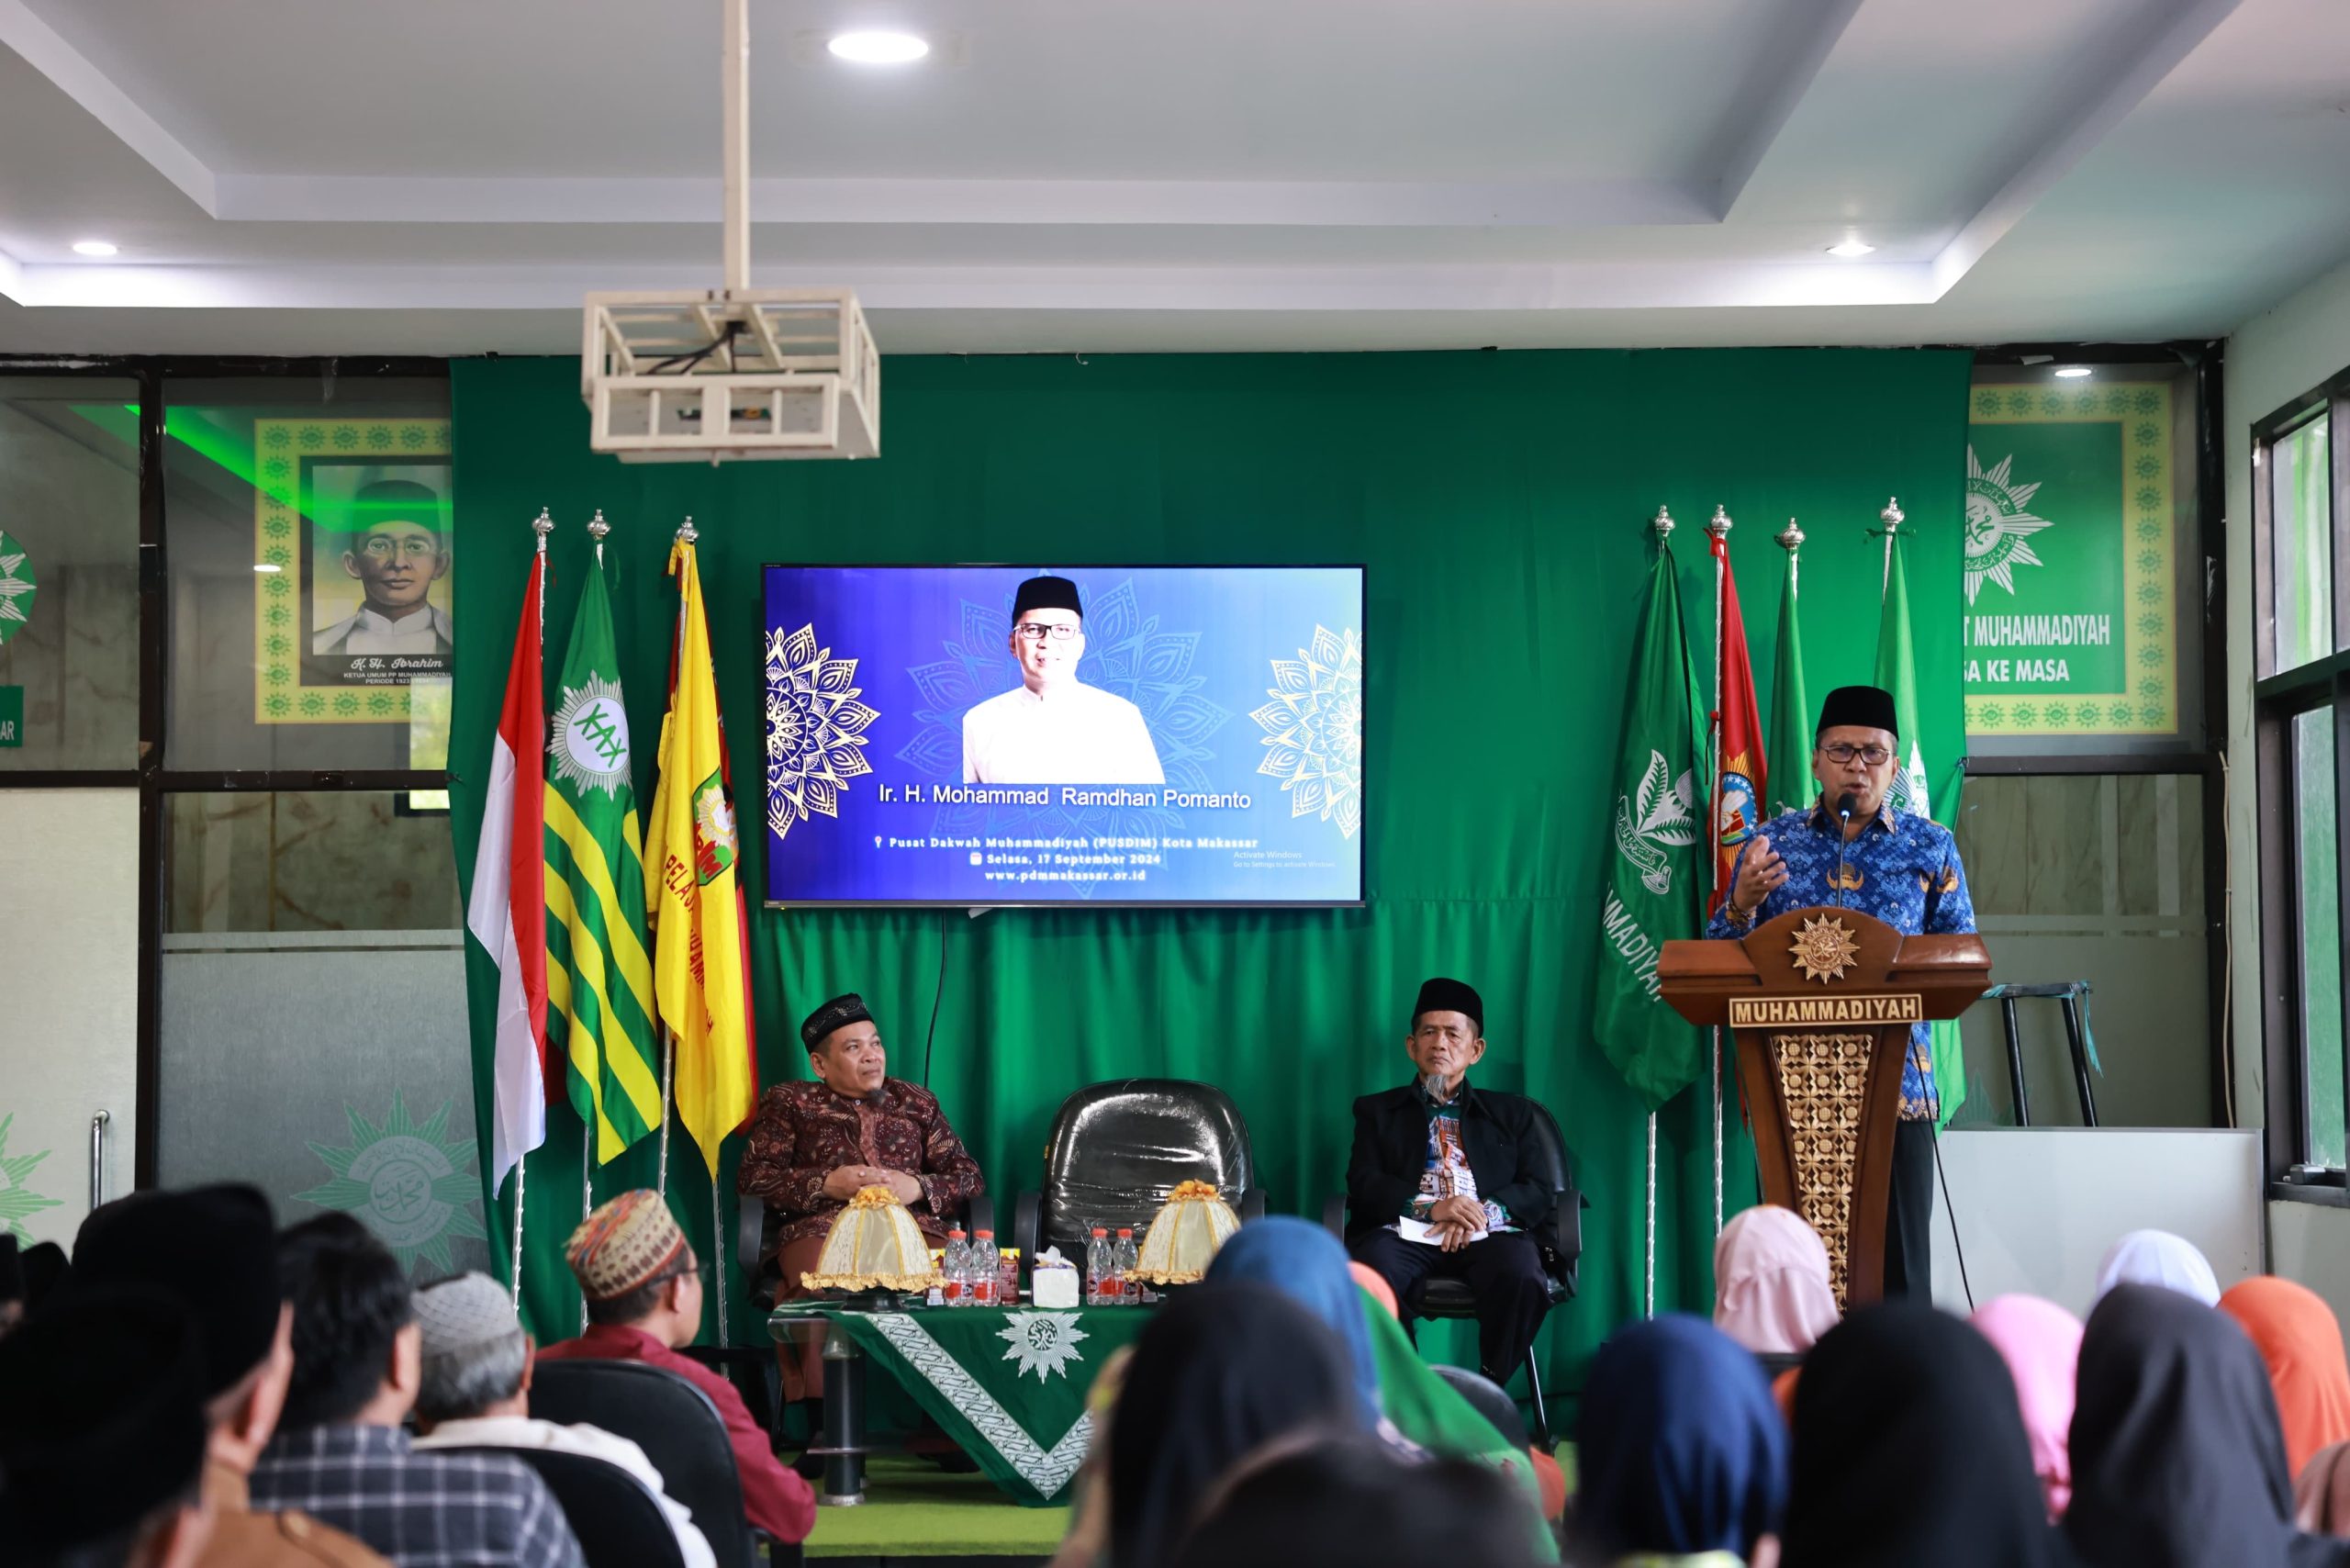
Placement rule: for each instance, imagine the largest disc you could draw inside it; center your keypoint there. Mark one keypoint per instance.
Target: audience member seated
(2300, 1344)
(1217, 1373)
(341, 1453)
(2158, 1258)
(643, 1290)
(2041, 1342)
(1441, 1182)
(475, 1393)
(2322, 1493)
(45, 1269)
(102, 1437)
(1909, 1451)
(2178, 1460)
(1356, 1502)
(214, 1250)
(1771, 1291)
(1680, 1454)
(12, 1282)
(1407, 1402)
(814, 1145)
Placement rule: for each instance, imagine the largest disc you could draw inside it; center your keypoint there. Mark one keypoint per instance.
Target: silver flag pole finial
(1892, 516)
(1790, 538)
(687, 532)
(1662, 523)
(1719, 524)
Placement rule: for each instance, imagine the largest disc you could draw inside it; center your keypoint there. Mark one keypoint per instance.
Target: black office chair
(1559, 1240)
(1491, 1400)
(1118, 1149)
(619, 1521)
(679, 1430)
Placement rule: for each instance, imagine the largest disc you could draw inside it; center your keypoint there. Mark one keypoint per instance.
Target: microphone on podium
(1846, 804)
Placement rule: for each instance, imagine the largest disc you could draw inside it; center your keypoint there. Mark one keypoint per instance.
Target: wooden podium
(1820, 1003)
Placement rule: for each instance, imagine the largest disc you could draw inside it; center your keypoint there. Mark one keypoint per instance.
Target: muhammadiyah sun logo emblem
(590, 747)
(1997, 526)
(411, 1184)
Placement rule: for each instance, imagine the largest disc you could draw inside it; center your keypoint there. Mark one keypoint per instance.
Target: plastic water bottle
(1123, 1263)
(985, 1269)
(1097, 1267)
(955, 1264)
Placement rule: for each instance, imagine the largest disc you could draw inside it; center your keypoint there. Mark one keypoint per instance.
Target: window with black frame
(2300, 701)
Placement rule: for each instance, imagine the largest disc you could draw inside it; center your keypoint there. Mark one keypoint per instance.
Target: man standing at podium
(1853, 850)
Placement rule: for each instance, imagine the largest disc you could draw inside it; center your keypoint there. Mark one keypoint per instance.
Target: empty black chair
(1118, 1149)
(619, 1521)
(1491, 1400)
(1558, 1239)
(679, 1430)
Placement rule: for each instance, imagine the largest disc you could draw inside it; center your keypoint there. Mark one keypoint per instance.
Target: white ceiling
(450, 176)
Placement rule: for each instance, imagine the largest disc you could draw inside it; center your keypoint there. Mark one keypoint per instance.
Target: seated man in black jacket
(1441, 1182)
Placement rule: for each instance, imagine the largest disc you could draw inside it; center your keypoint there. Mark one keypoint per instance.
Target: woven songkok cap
(629, 1241)
(838, 1013)
(457, 1315)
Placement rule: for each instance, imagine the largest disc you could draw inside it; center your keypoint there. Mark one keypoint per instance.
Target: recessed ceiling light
(1852, 247)
(93, 248)
(2073, 372)
(879, 48)
(267, 566)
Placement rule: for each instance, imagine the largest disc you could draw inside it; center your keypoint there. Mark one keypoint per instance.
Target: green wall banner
(2071, 604)
(1500, 504)
(12, 715)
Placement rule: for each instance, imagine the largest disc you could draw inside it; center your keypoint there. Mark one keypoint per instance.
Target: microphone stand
(1844, 805)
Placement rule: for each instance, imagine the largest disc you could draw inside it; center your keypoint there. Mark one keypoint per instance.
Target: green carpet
(915, 1509)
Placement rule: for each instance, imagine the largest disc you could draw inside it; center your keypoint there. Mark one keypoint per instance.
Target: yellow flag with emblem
(699, 978)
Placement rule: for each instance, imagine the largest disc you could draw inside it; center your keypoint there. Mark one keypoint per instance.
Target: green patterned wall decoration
(2071, 625)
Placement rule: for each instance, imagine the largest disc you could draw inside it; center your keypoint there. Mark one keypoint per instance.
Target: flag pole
(1718, 530)
(718, 1247)
(597, 529)
(1662, 524)
(686, 535)
(542, 525)
(1648, 1288)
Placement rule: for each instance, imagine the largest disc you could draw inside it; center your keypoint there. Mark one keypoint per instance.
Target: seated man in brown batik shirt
(813, 1146)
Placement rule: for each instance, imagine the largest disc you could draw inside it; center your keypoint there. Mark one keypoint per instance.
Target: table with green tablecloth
(1007, 1383)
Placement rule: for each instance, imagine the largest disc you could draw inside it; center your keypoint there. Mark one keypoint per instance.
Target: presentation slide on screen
(1083, 734)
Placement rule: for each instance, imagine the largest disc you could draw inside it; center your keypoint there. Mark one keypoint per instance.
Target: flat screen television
(1167, 735)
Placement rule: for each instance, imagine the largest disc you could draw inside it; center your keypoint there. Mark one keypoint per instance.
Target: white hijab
(2158, 1258)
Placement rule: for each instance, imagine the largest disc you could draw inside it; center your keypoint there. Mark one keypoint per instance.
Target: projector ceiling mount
(681, 376)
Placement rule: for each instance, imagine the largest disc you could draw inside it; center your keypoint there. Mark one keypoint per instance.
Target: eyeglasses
(1839, 754)
(414, 547)
(1036, 631)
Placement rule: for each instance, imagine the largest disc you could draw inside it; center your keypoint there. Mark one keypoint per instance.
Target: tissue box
(1053, 1287)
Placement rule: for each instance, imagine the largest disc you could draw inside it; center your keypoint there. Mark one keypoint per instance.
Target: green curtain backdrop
(1500, 504)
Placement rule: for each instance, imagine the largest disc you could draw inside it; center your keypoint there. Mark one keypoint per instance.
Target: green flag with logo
(1653, 893)
(1788, 751)
(1896, 671)
(599, 980)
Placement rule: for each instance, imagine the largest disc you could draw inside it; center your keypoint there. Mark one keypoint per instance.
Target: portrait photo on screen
(376, 572)
(1048, 734)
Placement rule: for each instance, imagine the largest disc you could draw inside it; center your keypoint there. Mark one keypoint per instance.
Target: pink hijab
(1771, 1289)
(2041, 1342)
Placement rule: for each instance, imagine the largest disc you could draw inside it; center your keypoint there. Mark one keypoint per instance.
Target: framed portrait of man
(356, 568)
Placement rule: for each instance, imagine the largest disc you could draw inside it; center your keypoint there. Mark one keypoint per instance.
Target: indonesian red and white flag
(507, 914)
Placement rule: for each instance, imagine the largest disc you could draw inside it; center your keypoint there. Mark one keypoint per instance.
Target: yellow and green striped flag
(599, 983)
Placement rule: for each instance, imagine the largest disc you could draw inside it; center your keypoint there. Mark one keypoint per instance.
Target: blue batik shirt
(1903, 870)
